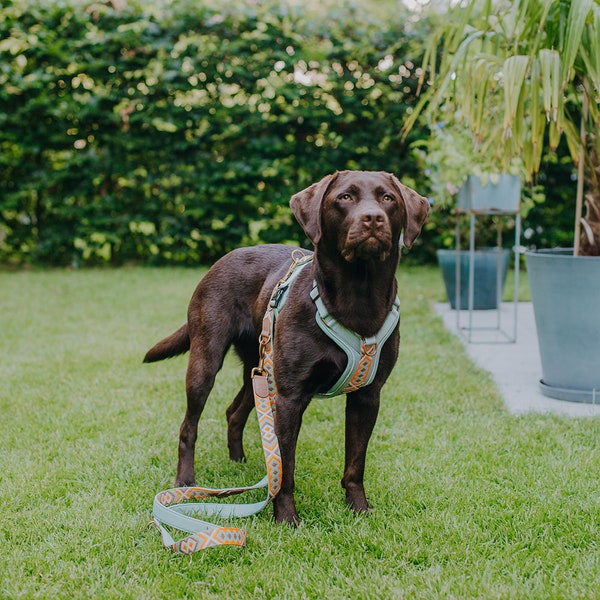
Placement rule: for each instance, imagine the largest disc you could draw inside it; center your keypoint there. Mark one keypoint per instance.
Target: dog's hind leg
(246, 347)
(202, 368)
(237, 415)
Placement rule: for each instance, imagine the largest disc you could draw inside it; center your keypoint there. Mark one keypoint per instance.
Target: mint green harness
(363, 353)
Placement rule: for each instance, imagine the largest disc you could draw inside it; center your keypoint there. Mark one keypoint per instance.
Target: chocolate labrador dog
(355, 220)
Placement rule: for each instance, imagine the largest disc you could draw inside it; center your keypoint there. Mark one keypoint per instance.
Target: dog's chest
(362, 354)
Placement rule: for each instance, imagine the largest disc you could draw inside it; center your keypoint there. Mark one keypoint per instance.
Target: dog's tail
(177, 343)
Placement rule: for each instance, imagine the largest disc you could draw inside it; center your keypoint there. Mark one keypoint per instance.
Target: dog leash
(173, 508)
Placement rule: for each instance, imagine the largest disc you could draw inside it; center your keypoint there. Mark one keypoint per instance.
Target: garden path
(515, 367)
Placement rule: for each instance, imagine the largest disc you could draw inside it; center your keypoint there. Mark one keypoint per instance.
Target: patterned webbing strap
(172, 507)
(169, 509)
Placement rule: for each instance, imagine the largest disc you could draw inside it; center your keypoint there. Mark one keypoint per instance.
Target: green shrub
(175, 135)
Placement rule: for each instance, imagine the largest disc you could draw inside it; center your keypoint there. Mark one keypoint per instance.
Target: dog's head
(363, 212)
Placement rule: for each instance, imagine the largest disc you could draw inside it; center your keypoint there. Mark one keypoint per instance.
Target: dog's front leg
(361, 413)
(288, 418)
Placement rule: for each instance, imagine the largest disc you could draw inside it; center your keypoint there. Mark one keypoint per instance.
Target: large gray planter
(565, 291)
(485, 288)
(501, 197)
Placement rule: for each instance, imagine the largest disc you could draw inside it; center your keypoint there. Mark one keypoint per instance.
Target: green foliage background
(174, 134)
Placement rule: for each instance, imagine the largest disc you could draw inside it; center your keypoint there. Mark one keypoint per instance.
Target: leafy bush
(175, 135)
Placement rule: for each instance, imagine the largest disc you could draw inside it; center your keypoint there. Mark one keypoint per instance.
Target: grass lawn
(469, 501)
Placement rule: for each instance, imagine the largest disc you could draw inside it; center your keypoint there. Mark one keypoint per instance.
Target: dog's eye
(388, 198)
(345, 197)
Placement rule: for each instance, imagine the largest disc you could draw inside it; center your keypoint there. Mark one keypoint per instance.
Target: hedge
(172, 134)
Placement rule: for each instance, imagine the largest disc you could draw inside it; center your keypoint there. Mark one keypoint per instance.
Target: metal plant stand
(497, 333)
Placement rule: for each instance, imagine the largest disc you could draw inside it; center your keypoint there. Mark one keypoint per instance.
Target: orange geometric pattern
(365, 364)
(219, 536)
(270, 444)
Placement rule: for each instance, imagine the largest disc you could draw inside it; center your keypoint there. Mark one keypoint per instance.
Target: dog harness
(174, 508)
(363, 353)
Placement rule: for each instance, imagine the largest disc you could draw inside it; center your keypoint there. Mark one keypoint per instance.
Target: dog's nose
(373, 218)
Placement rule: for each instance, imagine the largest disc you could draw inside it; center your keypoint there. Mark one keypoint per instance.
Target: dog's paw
(284, 511)
(185, 482)
(357, 500)
(237, 457)
(291, 520)
(360, 507)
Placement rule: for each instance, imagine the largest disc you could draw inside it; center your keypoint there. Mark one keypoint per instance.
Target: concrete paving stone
(515, 367)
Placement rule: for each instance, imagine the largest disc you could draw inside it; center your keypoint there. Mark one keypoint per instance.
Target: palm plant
(521, 74)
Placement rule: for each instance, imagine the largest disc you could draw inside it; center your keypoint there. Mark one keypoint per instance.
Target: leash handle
(173, 507)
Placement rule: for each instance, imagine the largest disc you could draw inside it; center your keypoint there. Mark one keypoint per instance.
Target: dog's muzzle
(369, 237)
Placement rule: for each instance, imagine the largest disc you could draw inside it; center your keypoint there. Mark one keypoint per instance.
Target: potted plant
(460, 175)
(460, 181)
(520, 75)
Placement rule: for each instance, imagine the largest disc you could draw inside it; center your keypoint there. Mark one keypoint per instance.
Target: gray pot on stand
(499, 196)
(502, 195)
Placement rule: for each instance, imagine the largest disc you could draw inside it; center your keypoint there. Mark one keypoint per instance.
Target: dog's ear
(415, 207)
(306, 206)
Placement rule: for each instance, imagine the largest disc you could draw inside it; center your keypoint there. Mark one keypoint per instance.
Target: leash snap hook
(256, 372)
(276, 297)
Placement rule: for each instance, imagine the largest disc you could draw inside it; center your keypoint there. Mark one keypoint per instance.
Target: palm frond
(551, 83)
(514, 71)
(578, 13)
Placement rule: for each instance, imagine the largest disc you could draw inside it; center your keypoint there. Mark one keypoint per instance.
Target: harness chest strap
(363, 353)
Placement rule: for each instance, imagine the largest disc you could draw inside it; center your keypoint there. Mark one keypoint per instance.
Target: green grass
(469, 501)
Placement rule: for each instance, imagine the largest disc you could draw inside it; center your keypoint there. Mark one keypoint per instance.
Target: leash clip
(276, 297)
(256, 372)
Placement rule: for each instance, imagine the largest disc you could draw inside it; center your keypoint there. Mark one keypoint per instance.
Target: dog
(355, 220)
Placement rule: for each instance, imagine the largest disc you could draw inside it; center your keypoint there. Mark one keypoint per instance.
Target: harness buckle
(276, 297)
(298, 257)
(369, 349)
